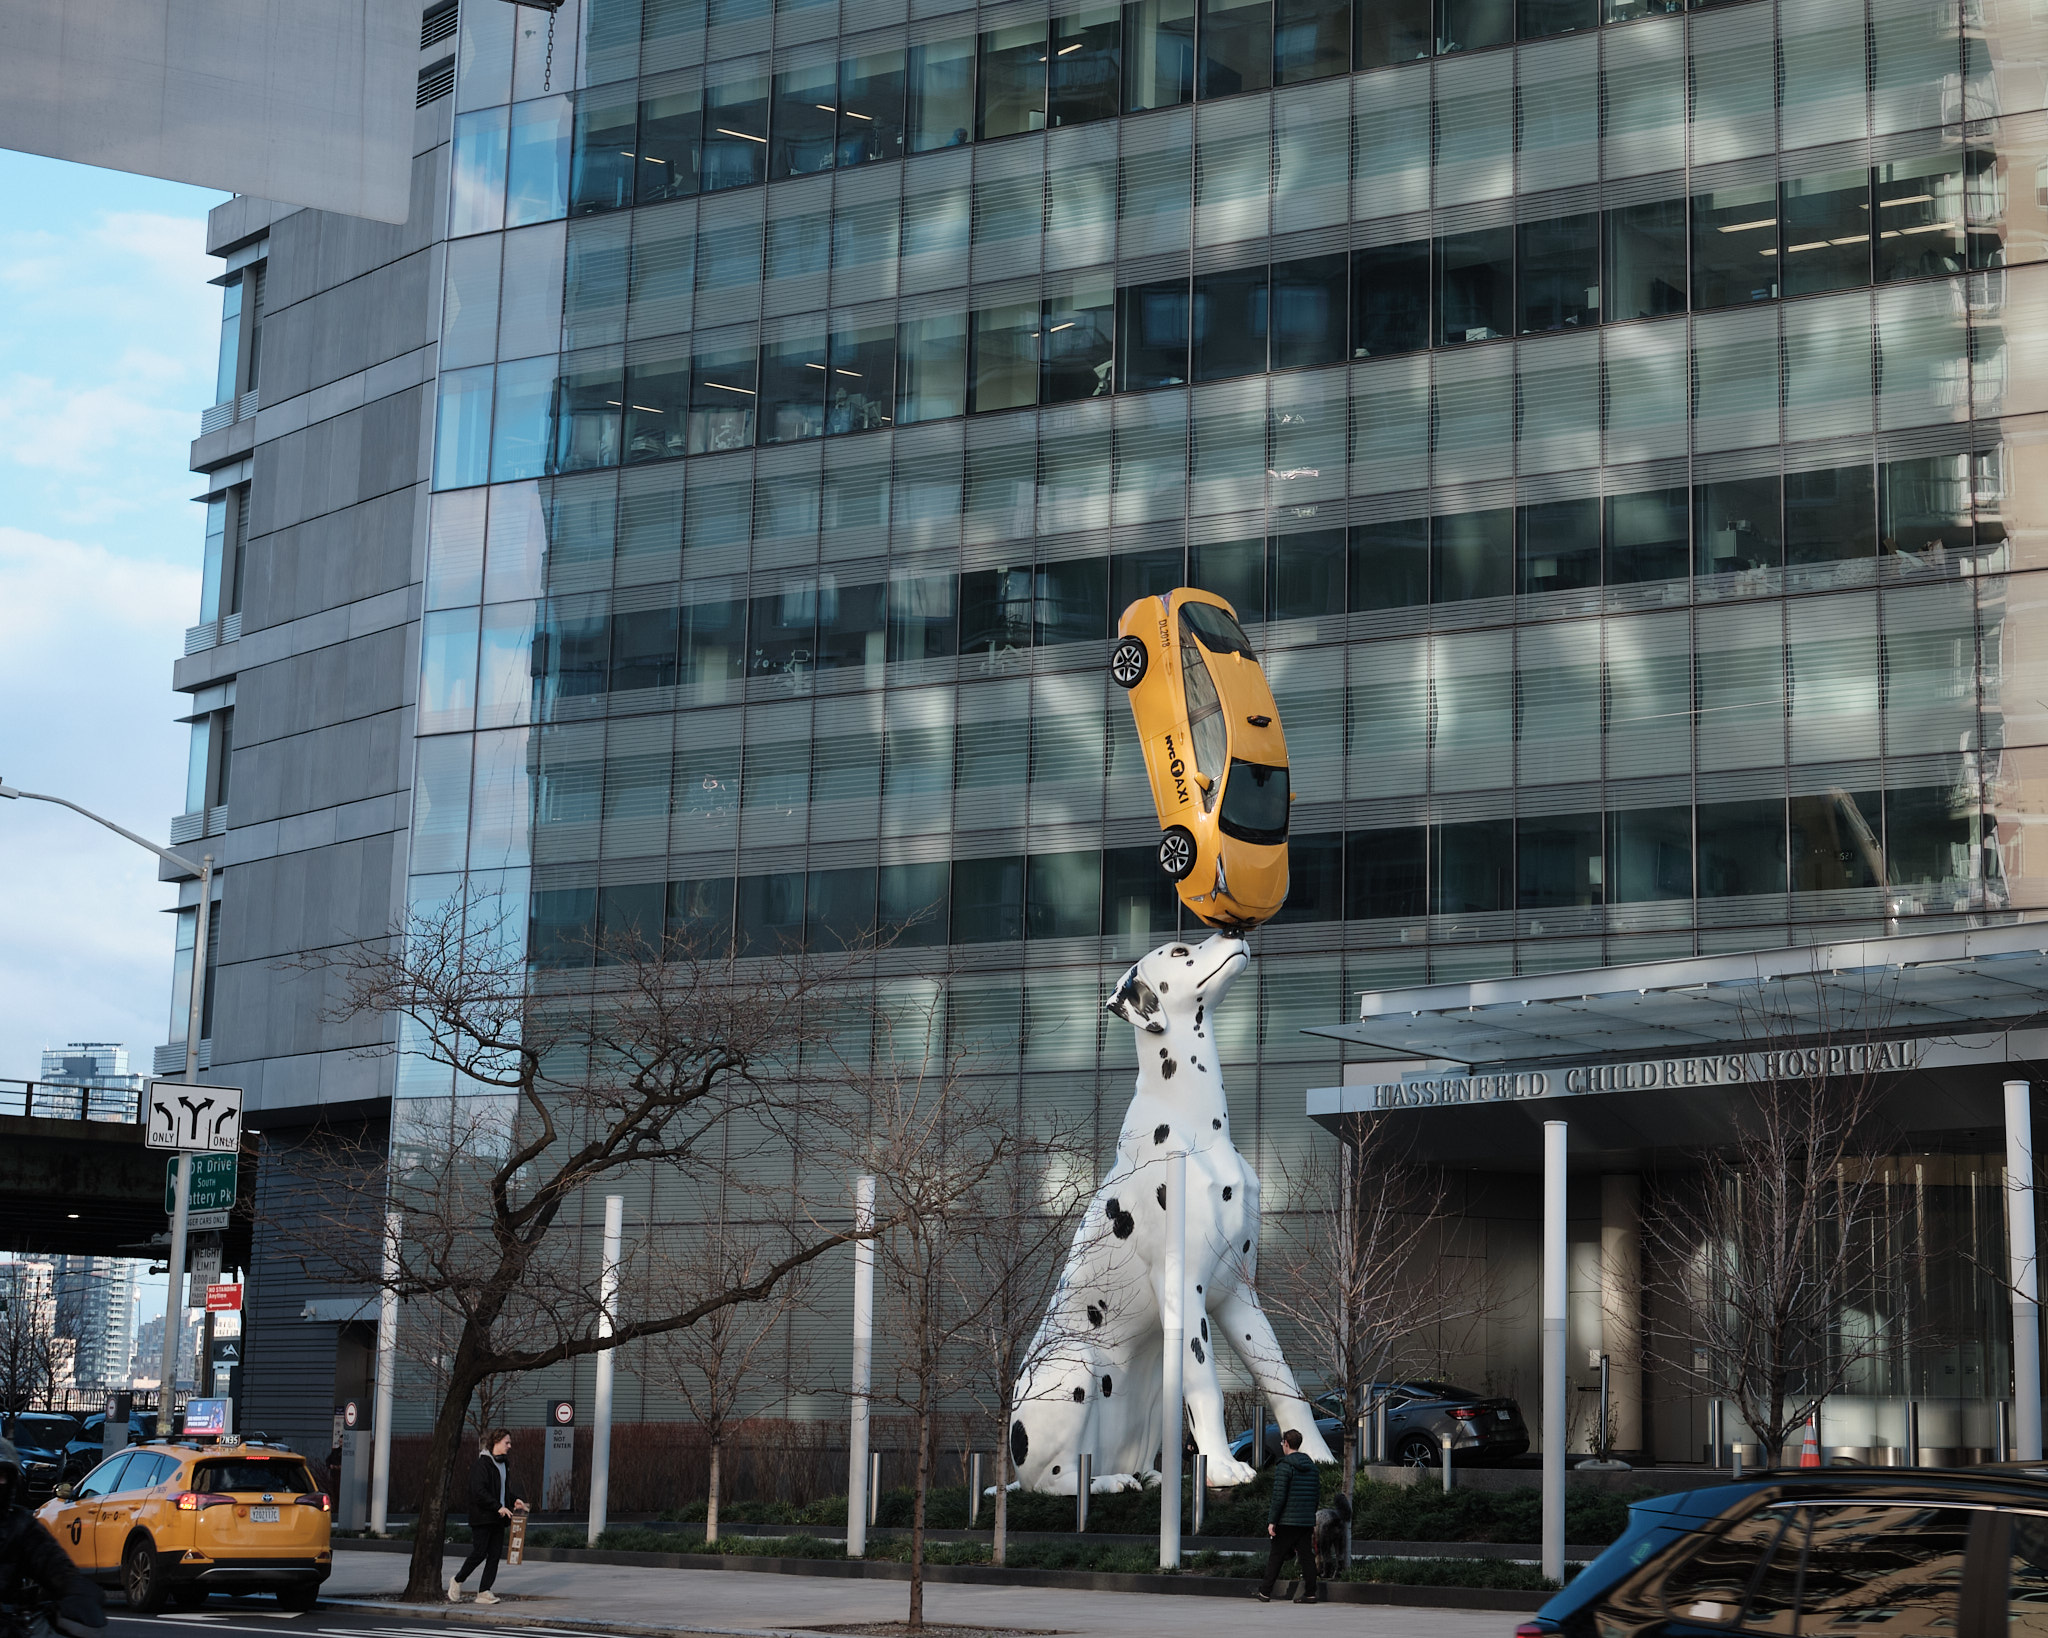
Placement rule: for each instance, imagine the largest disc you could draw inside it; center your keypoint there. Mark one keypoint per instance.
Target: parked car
(1214, 752)
(171, 1522)
(43, 1439)
(84, 1452)
(1960, 1551)
(1421, 1417)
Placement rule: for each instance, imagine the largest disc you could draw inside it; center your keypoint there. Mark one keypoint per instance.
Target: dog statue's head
(1176, 981)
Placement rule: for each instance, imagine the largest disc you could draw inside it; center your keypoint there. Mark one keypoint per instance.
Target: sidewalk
(739, 1602)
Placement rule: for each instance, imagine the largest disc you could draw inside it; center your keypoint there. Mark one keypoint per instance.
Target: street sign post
(223, 1298)
(215, 1178)
(205, 1269)
(193, 1118)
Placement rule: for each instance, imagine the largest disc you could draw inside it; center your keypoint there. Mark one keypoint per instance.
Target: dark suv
(1962, 1552)
(43, 1439)
(1422, 1416)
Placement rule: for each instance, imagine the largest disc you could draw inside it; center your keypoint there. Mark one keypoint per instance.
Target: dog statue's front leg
(1244, 1322)
(1204, 1397)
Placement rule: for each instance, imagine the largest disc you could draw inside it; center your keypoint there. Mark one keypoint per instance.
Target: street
(576, 1600)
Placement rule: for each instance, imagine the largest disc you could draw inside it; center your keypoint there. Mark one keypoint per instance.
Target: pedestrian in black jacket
(36, 1574)
(1297, 1492)
(490, 1510)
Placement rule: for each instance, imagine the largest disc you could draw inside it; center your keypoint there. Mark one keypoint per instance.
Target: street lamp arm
(178, 859)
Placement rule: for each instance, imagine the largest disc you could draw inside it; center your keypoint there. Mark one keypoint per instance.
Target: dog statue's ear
(1134, 1001)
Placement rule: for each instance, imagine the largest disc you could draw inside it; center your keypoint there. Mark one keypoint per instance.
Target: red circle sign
(565, 1411)
(348, 1414)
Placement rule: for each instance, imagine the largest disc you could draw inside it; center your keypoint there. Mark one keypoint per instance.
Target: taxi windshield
(247, 1473)
(1219, 633)
(1254, 803)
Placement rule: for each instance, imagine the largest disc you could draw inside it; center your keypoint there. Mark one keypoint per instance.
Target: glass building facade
(1620, 427)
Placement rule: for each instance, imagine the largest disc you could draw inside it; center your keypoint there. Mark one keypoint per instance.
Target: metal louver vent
(437, 23)
(436, 80)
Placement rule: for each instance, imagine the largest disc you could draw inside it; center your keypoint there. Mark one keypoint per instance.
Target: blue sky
(106, 360)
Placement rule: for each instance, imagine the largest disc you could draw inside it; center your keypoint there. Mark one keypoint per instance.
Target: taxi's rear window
(1219, 633)
(287, 1477)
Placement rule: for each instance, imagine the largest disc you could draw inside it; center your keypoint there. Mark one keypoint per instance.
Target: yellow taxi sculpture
(170, 1522)
(1214, 751)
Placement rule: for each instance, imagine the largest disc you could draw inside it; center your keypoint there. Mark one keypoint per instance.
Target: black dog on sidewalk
(1332, 1539)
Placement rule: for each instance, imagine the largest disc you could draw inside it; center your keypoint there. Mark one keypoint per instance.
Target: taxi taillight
(192, 1501)
(319, 1500)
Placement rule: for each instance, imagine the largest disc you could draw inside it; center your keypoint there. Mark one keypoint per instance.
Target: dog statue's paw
(1114, 1484)
(1225, 1471)
(1315, 1447)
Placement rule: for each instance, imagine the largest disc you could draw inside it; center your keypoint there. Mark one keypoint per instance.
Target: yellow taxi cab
(171, 1521)
(1213, 749)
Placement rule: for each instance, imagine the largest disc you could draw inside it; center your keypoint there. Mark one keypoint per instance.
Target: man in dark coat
(35, 1573)
(490, 1510)
(1297, 1492)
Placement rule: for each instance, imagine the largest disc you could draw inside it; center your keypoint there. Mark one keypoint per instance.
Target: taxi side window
(102, 1479)
(145, 1472)
(1900, 1567)
(1715, 1583)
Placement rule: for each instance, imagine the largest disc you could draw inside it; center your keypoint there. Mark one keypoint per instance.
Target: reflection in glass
(1475, 285)
(1390, 289)
(671, 139)
(860, 390)
(1308, 311)
(1004, 372)
(871, 92)
(794, 379)
(519, 426)
(1737, 525)
(1472, 867)
(1734, 246)
(1386, 873)
(1306, 575)
(1558, 548)
(1559, 862)
(735, 132)
(988, 900)
(1010, 94)
(1395, 32)
(1648, 537)
(1390, 564)
(914, 904)
(537, 165)
(1087, 71)
(587, 415)
(1830, 515)
(1921, 231)
(1741, 848)
(1159, 54)
(1926, 505)
(1827, 231)
(1236, 40)
(602, 171)
(941, 104)
(1154, 328)
(1649, 855)
(1645, 260)
(1472, 25)
(721, 398)
(1311, 40)
(476, 167)
(805, 121)
(1835, 841)
(1559, 268)
(1473, 555)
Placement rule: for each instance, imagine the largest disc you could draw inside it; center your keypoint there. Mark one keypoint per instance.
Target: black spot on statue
(1125, 1222)
(1080, 1394)
(1020, 1443)
(1110, 1208)
(1247, 1245)
(1198, 1290)
(1196, 1344)
(1217, 1124)
(1163, 988)
(1105, 1387)
(1205, 1329)
(1094, 1315)
(1160, 1195)
(1198, 1014)
(1226, 1191)
(1167, 1068)
(1159, 1133)
(1055, 1469)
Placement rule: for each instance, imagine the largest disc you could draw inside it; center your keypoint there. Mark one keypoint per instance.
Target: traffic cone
(1809, 1445)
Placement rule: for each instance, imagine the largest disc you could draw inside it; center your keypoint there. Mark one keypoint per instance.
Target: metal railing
(56, 1100)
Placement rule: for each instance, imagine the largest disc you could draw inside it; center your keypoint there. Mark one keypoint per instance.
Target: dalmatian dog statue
(1093, 1382)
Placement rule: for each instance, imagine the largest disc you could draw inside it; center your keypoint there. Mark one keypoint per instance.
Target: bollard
(1379, 1432)
(1714, 1440)
(1259, 1436)
(874, 1487)
(1084, 1477)
(1737, 1464)
(1447, 1464)
(973, 1489)
(1912, 1433)
(1201, 1493)
(2004, 1431)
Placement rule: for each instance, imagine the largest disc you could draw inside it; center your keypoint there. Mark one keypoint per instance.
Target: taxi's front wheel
(1177, 852)
(1127, 662)
(142, 1577)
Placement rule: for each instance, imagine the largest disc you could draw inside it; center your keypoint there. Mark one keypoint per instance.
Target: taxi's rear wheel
(142, 1577)
(1177, 852)
(1127, 662)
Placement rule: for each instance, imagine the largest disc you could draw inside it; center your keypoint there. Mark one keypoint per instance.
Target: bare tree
(1773, 1245)
(681, 1071)
(1361, 1273)
(717, 1363)
(29, 1355)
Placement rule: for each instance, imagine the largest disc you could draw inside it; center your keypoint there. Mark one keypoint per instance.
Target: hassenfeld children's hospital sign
(1719, 1069)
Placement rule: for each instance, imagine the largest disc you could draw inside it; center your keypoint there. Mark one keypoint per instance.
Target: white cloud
(87, 636)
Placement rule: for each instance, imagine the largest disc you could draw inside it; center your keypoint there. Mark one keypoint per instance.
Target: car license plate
(1503, 1415)
(263, 1515)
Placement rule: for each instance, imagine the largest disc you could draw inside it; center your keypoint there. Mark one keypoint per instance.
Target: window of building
(1646, 260)
(605, 162)
(1315, 879)
(988, 900)
(735, 151)
(1138, 902)
(1399, 31)
(931, 368)
(1475, 285)
(1305, 575)
(537, 161)
(923, 617)
(1012, 82)
(769, 913)
(1308, 308)
(852, 624)
(1390, 564)
(839, 907)
(698, 916)
(1004, 364)
(228, 373)
(1158, 54)
(1558, 264)
(1390, 291)
(207, 762)
(1741, 848)
(1534, 19)
(520, 432)
(1063, 895)
(1311, 40)
(587, 418)
(670, 157)
(1386, 873)
(630, 917)
(1472, 554)
(657, 408)
(1472, 25)
(1737, 525)
(1233, 569)
(1826, 231)
(1153, 329)
(914, 907)
(1560, 863)
(805, 120)
(227, 529)
(1086, 64)
(1649, 855)
(940, 110)
(1920, 218)
(1236, 41)
(1557, 546)
(1648, 537)
(870, 110)
(1836, 841)
(1229, 323)
(794, 382)
(722, 398)
(1472, 867)
(1830, 515)
(1734, 246)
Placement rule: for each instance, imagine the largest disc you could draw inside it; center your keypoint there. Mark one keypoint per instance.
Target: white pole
(601, 1412)
(2026, 1272)
(860, 1378)
(387, 1366)
(174, 1290)
(1555, 1386)
(1171, 1413)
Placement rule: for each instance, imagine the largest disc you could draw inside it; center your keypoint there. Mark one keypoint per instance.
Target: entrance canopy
(1925, 984)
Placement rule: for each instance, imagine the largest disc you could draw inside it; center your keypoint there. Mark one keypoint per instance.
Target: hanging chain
(547, 76)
